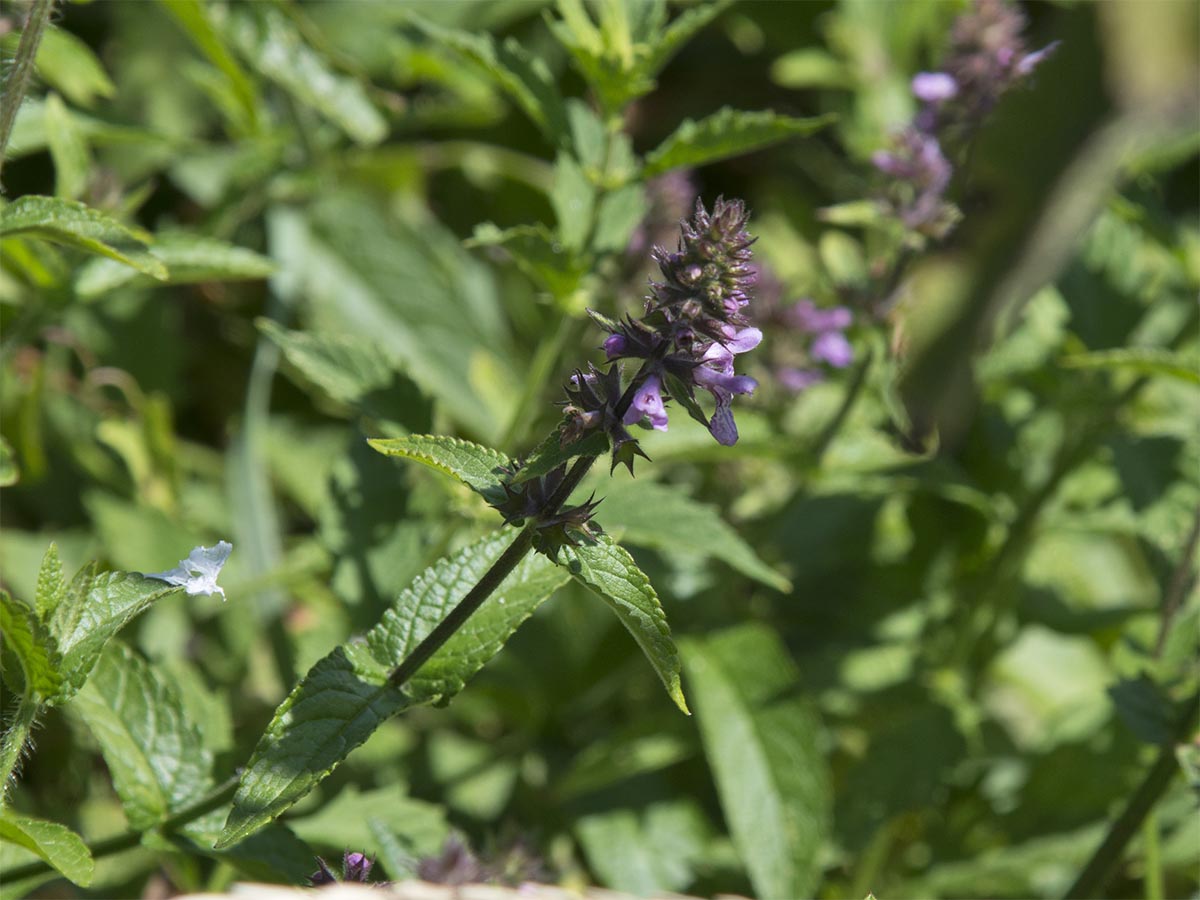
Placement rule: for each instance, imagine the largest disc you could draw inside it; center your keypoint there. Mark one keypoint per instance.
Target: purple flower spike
(648, 402)
(833, 348)
(934, 87)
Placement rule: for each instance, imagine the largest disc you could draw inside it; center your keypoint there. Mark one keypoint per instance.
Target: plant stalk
(18, 78)
(15, 739)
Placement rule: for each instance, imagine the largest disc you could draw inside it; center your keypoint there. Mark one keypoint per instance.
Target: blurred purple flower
(799, 379)
(833, 348)
(934, 87)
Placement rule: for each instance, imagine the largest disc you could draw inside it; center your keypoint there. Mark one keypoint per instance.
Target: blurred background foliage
(989, 620)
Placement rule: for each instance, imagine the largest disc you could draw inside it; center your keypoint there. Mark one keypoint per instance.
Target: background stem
(15, 739)
(18, 78)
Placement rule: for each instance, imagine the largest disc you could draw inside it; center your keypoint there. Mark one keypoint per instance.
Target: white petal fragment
(198, 573)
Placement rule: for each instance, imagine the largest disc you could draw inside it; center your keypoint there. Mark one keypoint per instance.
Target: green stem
(1153, 851)
(1099, 869)
(851, 397)
(14, 743)
(127, 840)
(22, 68)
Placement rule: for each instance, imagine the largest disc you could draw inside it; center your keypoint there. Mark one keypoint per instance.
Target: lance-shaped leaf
(57, 844)
(607, 569)
(479, 468)
(94, 609)
(727, 132)
(155, 755)
(51, 586)
(189, 259)
(665, 517)
(32, 644)
(347, 695)
(762, 744)
(80, 226)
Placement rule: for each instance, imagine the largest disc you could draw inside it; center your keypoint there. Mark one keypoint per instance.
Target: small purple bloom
(356, 867)
(833, 348)
(934, 87)
(614, 346)
(799, 379)
(741, 340)
(807, 316)
(648, 402)
(724, 382)
(1032, 60)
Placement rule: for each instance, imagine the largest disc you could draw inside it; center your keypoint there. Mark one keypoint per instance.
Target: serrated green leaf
(32, 644)
(479, 468)
(277, 50)
(51, 585)
(156, 757)
(193, 17)
(68, 150)
(1139, 361)
(608, 570)
(189, 260)
(95, 608)
(727, 132)
(661, 516)
(550, 453)
(80, 226)
(536, 252)
(762, 744)
(355, 371)
(346, 696)
(57, 844)
(572, 197)
(524, 77)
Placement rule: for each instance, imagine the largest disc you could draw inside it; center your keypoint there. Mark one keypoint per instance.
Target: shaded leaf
(68, 150)
(479, 468)
(1139, 361)
(57, 844)
(572, 196)
(550, 453)
(69, 65)
(189, 260)
(619, 214)
(761, 741)
(537, 254)
(727, 132)
(79, 226)
(346, 696)
(608, 570)
(1145, 709)
(155, 755)
(33, 646)
(646, 852)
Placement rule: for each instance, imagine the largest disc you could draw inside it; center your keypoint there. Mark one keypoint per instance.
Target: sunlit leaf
(726, 133)
(189, 259)
(479, 468)
(56, 844)
(32, 645)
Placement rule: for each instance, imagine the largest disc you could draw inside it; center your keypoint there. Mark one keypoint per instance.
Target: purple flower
(799, 379)
(648, 402)
(614, 346)
(833, 348)
(934, 87)
(807, 316)
(1031, 61)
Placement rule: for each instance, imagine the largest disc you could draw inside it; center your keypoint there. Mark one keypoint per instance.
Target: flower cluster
(355, 867)
(987, 56)
(693, 327)
(827, 344)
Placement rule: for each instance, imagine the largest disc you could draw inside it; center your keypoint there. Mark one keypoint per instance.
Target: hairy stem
(1104, 861)
(18, 77)
(15, 739)
(127, 840)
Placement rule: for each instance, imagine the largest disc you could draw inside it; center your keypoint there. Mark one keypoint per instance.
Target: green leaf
(57, 844)
(33, 646)
(189, 260)
(727, 132)
(95, 608)
(665, 517)
(663, 45)
(77, 225)
(193, 18)
(155, 755)
(646, 852)
(345, 821)
(572, 197)
(608, 570)
(346, 696)
(523, 76)
(51, 585)
(550, 453)
(536, 252)
(68, 150)
(354, 371)
(619, 213)
(277, 50)
(68, 64)
(810, 67)
(762, 744)
(479, 468)
(9, 473)
(1145, 709)
(1139, 361)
